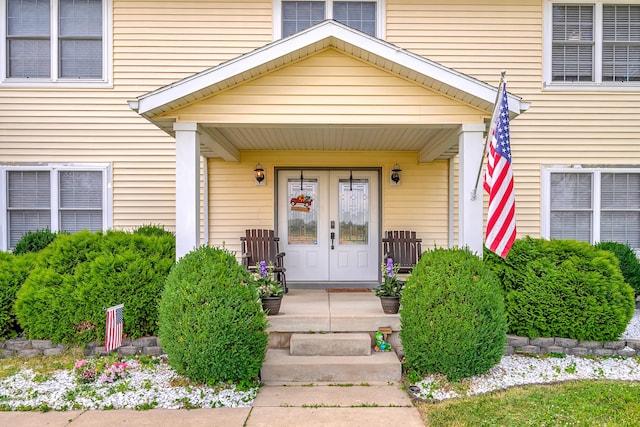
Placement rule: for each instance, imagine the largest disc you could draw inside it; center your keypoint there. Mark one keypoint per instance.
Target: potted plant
(269, 289)
(390, 290)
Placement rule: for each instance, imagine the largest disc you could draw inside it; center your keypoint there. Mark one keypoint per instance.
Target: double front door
(328, 223)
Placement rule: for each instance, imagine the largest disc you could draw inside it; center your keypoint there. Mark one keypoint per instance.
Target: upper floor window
(54, 40)
(299, 15)
(596, 43)
(593, 205)
(60, 198)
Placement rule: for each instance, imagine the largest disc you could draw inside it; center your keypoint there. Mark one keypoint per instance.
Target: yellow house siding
(582, 127)
(329, 87)
(475, 38)
(154, 43)
(419, 203)
(158, 42)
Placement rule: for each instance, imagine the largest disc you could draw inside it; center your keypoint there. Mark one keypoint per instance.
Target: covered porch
(327, 98)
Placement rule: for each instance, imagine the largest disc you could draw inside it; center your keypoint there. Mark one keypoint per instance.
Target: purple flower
(263, 269)
(389, 267)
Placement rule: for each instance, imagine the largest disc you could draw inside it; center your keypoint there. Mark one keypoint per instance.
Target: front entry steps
(330, 344)
(330, 358)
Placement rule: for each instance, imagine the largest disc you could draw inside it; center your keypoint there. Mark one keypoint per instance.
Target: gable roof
(410, 66)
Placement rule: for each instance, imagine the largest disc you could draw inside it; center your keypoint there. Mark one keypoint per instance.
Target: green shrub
(212, 326)
(80, 274)
(153, 230)
(629, 264)
(34, 241)
(13, 272)
(563, 288)
(452, 315)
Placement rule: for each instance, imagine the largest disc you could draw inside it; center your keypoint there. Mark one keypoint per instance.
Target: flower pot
(390, 305)
(271, 305)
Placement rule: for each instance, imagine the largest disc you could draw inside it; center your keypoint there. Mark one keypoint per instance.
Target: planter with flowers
(269, 289)
(390, 290)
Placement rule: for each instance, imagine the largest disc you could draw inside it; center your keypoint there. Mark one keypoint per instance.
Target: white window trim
(54, 81)
(380, 17)
(53, 168)
(597, 35)
(596, 172)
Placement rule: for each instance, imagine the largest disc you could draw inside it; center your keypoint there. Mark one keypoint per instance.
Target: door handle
(333, 236)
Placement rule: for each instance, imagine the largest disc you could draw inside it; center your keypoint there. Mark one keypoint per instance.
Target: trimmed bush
(452, 314)
(563, 288)
(153, 230)
(13, 272)
(34, 241)
(629, 264)
(80, 274)
(212, 326)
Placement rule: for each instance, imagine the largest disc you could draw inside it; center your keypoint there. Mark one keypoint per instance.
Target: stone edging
(515, 345)
(571, 346)
(30, 348)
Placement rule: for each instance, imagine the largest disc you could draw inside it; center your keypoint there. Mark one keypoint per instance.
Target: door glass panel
(302, 215)
(353, 211)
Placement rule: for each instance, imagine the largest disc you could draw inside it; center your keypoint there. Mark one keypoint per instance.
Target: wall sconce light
(259, 173)
(395, 175)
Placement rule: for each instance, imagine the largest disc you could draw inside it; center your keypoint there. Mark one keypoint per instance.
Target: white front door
(328, 225)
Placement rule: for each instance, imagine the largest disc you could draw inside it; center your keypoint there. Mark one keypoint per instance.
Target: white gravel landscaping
(151, 386)
(519, 370)
(143, 388)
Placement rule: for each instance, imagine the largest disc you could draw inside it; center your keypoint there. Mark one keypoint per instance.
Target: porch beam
(470, 216)
(187, 188)
(437, 146)
(224, 148)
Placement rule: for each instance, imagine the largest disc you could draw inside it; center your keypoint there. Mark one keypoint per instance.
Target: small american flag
(498, 182)
(115, 322)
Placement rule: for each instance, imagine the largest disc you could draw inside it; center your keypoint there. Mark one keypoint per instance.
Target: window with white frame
(65, 198)
(55, 40)
(597, 43)
(299, 15)
(594, 205)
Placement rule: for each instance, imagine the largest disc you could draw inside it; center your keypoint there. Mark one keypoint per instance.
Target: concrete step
(332, 344)
(280, 367)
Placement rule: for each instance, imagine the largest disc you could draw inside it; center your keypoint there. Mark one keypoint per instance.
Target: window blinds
(571, 206)
(298, 15)
(621, 43)
(360, 15)
(573, 43)
(80, 200)
(28, 202)
(620, 216)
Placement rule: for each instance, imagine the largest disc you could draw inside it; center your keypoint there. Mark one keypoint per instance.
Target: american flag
(498, 182)
(115, 321)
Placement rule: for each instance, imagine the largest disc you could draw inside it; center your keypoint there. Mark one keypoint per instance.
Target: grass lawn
(575, 403)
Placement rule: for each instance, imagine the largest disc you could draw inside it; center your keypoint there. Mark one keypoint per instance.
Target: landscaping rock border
(30, 348)
(515, 345)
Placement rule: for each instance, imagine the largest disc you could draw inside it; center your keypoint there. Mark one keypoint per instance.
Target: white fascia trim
(326, 30)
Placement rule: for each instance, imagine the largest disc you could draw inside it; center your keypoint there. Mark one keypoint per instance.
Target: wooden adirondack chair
(404, 248)
(262, 245)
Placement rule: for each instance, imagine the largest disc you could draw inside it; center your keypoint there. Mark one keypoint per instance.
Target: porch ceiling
(432, 143)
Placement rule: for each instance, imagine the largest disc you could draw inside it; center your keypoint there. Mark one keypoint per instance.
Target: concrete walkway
(281, 406)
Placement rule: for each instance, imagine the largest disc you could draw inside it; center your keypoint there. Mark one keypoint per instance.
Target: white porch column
(470, 220)
(187, 188)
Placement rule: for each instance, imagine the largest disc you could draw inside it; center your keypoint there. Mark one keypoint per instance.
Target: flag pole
(486, 141)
